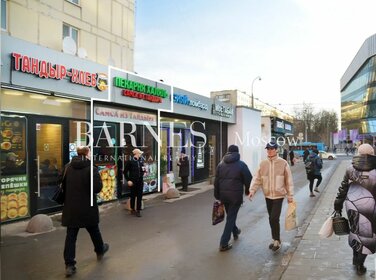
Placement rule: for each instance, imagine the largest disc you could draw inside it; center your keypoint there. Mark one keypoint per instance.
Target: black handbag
(340, 225)
(59, 195)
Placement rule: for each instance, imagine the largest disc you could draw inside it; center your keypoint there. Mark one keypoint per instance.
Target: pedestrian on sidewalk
(134, 174)
(77, 210)
(231, 180)
(285, 154)
(313, 169)
(292, 157)
(183, 163)
(305, 154)
(358, 192)
(274, 175)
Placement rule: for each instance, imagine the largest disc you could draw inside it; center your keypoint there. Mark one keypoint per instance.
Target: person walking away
(134, 174)
(184, 169)
(358, 192)
(285, 154)
(274, 175)
(292, 156)
(77, 210)
(231, 180)
(305, 154)
(313, 169)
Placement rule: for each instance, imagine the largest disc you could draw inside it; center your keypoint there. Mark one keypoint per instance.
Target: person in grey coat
(232, 179)
(77, 210)
(358, 192)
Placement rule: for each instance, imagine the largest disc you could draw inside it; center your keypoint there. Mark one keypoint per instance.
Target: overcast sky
(300, 48)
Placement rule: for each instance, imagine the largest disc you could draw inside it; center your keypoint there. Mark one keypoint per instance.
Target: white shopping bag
(327, 228)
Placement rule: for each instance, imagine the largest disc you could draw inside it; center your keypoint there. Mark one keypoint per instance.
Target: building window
(77, 2)
(3, 14)
(70, 31)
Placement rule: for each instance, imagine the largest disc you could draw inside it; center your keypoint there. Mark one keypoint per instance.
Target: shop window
(105, 134)
(3, 14)
(70, 31)
(21, 101)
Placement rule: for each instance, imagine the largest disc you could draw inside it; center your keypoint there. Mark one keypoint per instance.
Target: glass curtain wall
(358, 100)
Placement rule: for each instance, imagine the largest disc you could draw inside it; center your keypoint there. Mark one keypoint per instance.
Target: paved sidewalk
(18, 228)
(330, 258)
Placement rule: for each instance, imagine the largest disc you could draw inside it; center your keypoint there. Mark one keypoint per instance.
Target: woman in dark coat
(292, 156)
(232, 176)
(184, 170)
(358, 192)
(77, 211)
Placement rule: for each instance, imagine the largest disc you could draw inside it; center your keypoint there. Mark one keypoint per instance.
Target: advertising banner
(14, 186)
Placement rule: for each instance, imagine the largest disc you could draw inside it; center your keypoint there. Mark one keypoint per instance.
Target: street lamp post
(255, 79)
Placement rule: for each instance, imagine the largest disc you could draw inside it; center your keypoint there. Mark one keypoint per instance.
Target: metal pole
(252, 97)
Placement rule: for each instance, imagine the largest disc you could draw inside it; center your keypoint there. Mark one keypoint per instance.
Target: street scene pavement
(174, 239)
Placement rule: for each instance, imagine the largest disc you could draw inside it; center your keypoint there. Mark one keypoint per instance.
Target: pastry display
(14, 205)
(109, 184)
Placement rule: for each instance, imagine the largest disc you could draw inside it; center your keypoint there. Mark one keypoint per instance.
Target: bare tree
(315, 126)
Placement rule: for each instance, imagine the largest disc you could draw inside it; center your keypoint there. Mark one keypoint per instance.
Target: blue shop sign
(184, 100)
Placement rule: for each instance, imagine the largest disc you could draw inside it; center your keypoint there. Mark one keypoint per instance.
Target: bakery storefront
(45, 114)
(198, 126)
(130, 121)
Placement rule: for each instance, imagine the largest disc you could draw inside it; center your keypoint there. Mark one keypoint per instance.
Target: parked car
(326, 155)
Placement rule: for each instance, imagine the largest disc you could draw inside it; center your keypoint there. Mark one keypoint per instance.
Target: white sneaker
(276, 246)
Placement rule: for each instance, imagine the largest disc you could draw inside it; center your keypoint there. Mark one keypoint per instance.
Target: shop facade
(128, 121)
(45, 96)
(48, 100)
(198, 127)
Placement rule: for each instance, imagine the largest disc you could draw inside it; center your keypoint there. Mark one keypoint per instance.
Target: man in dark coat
(134, 173)
(231, 180)
(305, 154)
(184, 169)
(77, 210)
(285, 154)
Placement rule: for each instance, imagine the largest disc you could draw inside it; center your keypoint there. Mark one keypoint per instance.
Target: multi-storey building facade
(103, 31)
(358, 92)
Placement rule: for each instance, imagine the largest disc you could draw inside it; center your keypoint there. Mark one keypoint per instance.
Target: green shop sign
(139, 87)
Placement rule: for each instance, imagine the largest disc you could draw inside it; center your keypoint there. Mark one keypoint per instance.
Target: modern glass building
(358, 92)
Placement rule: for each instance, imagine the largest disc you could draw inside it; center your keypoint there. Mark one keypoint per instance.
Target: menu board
(108, 176)
(12, 134)
(14, 187)
(14, 196)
